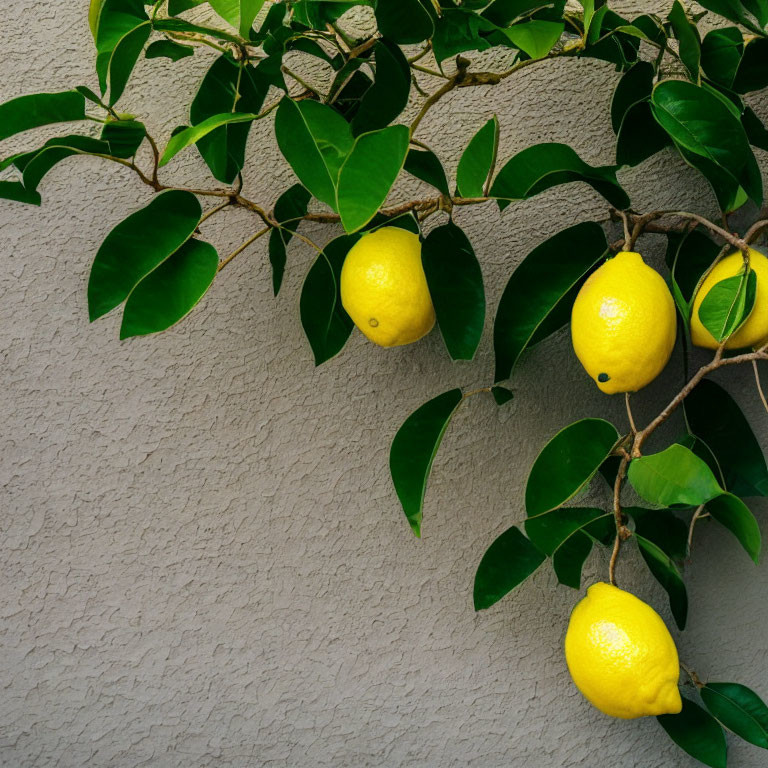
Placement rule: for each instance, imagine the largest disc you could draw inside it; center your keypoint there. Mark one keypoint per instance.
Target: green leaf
(388, 96)
(634, 87)
(478, 160)
(739, 709)
(536, 38)
(414, 449)
(194, 133)
(728, 305)
(568, 561)
(753, 19)
(54, 151)
(456, 285)
(290, 207)
(168, 49)
(688, 37)
(689, 256)
(700, 123)
(170, 292)
(567, 463)
(124, 58)
(124, 137)
(751, 74)
(550, 530)
(715, 418)
(27, 112)
(227, 87)
(501, 395)
(116, 22)
(757, 133)
(315, 140)
(424, 165)
(182, 25)
(405, 21)
(697, 733)
(663, 528)
(368, 174)
(721, 53)
(674, 477)
(509, 561)
(323, 318)
(138, 245)
(666, 573)
(731, 512)
(547, 165)
(458, 30)
(14, 190)
(542, 287)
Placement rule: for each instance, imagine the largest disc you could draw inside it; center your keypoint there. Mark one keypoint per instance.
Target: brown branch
(622, 532)
(697, 515)
(239, 250)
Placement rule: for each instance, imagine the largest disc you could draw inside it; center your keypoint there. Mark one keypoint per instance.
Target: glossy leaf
(536, 38)
(325, 322)
(424, 165)
(456, 285)
(721, 53)
(124, 137)
(674, 477)
(314, 139)
(414, 449)
(751, 74)
(368, 174)
(124, 58)
(567, 463)
(478, 160)
(170, 292)
(501, 395)
(715, 418)
(751, 15)
(15, 190)
(508, 562)
(568, 560)
(697, 733)
(689, 256)
(728, 305)
(168, 49)
(290, 207)
(458, 30)
(27, 112)
(699, 122)
(666, 573)
(550, 530)
(635, 86)
(756, 131)
(543, 287)
(739, 709)
(117, 20)
(138, 245)
(731, 512)
(405, 21)
(688, 39)
(547, 165)
(640, 136)
(663, 528)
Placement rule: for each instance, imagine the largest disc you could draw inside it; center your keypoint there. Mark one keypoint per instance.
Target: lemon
(754, 332)
(623, 324)
(621, 656)
(384, 288)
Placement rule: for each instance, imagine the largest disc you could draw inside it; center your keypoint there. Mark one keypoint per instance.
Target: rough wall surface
(203, 562)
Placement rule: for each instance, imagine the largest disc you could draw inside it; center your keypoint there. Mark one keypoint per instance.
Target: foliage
(676, 92)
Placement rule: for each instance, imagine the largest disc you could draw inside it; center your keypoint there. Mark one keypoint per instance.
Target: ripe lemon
(621, 656)
(754, 332)
(623, 324)
(384, 288)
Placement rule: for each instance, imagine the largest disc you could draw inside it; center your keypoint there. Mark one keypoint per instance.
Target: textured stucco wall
(203, 562)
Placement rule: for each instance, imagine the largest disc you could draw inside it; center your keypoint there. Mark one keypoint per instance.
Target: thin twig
(696, 516)
(629, 414)
(207, 215)
(239, 250)
(622, 532)
(759, 385)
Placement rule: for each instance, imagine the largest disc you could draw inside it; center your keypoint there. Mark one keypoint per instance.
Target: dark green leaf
(501, 395)
(459, 30)
(542, 286)
(728, 305)
(170, 292)
(635, 86)
(509, 561)
(714, 417)
(666, 573)
(27, 112)
(688, 38)
(567, 463)
(124, 58)
(640, 136)
(700, 123)
(752, 74)
(733, 513)
(536, 38)
(14, 190)
(721, 54)
(456, 285)
(547, 165)
(478, 160)
(138, 245)
(568, 561)
(674, 477)
(168, 49)
(550, 530)
(114, 26)
(406, 21)
(325, 322)
(290, 207)
(388, 96)
(735, 10)
(739, 709)
(756, 131)
(424, 165)
(414, 449)
(697, 733)
(368, 174)
(688, 257)
(124, 137)
(663, 528)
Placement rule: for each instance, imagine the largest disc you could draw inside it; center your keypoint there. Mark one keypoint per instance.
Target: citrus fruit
(754, 332)
(623, 324)
(621, 656)
(384, 288)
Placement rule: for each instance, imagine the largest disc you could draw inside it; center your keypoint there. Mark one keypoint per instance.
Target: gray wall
(203, 561)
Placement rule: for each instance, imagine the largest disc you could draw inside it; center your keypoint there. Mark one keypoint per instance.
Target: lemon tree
(684, 87)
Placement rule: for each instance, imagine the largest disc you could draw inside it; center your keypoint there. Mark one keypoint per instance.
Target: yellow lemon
(621, 656)
(623, 324)
(754, 332)
(384, 288)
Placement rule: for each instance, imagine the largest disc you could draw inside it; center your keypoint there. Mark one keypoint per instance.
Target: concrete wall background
(203, 562)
